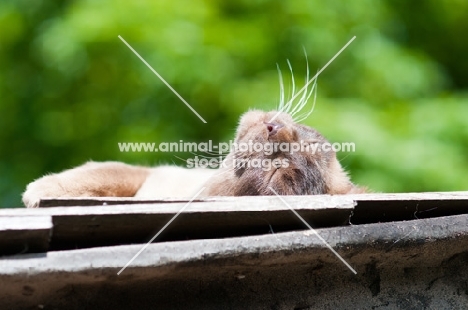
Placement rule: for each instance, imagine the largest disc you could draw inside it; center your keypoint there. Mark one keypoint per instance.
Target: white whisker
(315, 77)
(209, 156)
(214, 153)
(281, 103)
(305, 96)
(305, 115)
(289, 104)
(179, 158)
(313, 105)
(211, 152)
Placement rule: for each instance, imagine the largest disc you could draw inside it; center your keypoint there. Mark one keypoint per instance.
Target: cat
(243, 172)
(296, 173)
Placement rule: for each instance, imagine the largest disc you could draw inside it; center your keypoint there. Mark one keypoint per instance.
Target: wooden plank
(101, 201)
(132, 220)
(127, 205)
(410, 196)
(104, 201)
(378, 208)
(370, 208)
(213, 218)
(24, 234)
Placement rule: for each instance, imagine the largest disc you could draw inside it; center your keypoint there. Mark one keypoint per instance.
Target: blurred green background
(70, 89)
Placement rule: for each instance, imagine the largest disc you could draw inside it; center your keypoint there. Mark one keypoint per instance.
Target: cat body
(300, 172)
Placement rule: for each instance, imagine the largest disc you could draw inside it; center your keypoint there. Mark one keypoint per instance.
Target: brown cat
(299, 172)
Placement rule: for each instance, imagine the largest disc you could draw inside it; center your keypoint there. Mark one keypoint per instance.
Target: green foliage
(70, 89)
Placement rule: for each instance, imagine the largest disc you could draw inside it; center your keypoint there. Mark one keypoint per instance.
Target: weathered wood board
(22, 234)
(77, 227)
(90, 222)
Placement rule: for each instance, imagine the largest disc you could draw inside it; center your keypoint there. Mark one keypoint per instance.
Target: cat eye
(311, 141)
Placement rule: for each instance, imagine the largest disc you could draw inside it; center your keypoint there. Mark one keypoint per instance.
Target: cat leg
(93, 179)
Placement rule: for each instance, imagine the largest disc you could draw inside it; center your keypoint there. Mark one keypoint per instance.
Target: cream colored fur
(115, 179)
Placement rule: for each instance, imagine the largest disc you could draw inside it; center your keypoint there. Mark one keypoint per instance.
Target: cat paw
(45, 187)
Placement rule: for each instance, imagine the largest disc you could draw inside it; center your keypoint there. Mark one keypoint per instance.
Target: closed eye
(311, 141)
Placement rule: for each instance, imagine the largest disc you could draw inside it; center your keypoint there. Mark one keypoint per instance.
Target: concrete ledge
(409, 250)
(401, 265)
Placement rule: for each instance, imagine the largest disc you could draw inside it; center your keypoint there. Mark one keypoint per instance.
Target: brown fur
(307, 173)
(108, 179)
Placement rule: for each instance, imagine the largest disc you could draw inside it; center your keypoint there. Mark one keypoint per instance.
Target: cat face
(276, 152)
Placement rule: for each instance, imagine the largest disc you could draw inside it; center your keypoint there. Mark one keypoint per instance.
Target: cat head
(272, 151)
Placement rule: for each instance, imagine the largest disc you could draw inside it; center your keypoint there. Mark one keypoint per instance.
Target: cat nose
(273, 128)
